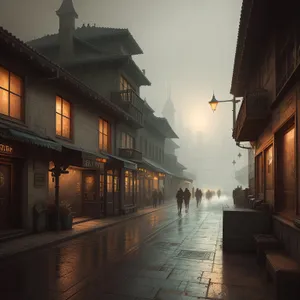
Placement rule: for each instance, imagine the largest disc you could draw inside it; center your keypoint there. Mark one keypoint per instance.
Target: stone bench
(285, 273)
(265, 242)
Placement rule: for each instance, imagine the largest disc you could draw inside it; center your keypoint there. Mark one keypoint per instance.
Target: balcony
(130, 102)
(252, 116)
(130, 154)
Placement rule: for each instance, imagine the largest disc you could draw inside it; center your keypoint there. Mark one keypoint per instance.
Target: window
(269, 168)
(260, 176)
(126, 88)
(104, 136)
(63, 118)
(116, 181)
(109, 183)
(125, 85)
(128, 187)
(127, 141)
(11, 93)
(101, 186)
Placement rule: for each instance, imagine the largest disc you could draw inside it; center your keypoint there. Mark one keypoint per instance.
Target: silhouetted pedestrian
(154, 198)
(160, 197)
(187, 197)
(198, 195)
(179, 197)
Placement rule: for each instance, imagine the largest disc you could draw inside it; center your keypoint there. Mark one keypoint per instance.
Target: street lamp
(214, 103)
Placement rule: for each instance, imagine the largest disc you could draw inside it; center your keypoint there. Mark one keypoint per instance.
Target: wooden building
(266, 74)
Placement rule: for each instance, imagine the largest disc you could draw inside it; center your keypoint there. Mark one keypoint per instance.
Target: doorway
(286, 175)
(89, 191)
(5, 195)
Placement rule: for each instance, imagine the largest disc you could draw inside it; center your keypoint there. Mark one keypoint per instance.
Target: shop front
(81, 187)
(122, 185)
(24, 157)
(11, 160)
(150, 177)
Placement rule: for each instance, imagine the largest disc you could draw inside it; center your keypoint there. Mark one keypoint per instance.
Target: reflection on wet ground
(157, 256)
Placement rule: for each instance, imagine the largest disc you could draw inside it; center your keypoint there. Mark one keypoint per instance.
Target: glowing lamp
(213, 103)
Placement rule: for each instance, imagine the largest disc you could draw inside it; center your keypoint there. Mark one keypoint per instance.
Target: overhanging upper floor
(252, 116)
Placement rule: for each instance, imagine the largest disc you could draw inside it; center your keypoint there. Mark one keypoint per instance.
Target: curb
(68, 238)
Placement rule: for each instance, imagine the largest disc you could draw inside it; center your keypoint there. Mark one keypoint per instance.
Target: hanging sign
(5, 149)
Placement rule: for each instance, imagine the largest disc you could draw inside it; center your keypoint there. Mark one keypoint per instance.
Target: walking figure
(198, 195)
(160, 197)
(187, 197)
(154, 198)
(219, 193)
(179, 197)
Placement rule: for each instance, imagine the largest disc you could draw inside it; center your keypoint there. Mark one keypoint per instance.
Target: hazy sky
(188, 45)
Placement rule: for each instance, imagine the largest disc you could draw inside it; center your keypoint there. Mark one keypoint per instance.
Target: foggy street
(157, 256)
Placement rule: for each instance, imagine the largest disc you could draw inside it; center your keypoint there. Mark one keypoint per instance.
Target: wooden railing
(130, 154)
(131, 102)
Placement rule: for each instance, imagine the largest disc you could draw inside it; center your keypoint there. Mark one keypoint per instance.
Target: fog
(189, 48)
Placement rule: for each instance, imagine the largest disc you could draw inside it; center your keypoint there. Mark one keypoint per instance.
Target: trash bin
(39, 217)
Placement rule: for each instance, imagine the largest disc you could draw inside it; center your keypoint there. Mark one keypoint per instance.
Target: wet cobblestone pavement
(157, 256)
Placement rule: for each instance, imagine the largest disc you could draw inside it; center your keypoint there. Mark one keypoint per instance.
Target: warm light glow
(101, 160)
(213, 103)
(11, 92)
(63, 118)
(197, 119)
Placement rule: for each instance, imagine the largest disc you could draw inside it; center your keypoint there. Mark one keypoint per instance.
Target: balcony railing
(131, 102)
(252, 116)
(130, 154)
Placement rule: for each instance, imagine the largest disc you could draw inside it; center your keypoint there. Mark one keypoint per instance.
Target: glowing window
(11, 94)
(63, 118)
(104, 136)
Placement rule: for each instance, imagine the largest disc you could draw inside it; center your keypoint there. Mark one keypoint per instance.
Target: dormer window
(11, 94)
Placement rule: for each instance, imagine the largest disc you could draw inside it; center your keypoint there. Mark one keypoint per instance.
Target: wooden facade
(273, 66)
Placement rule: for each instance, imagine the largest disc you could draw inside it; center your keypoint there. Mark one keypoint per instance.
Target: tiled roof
(242, 33)
(50, 66)
(87, 33)
(182, 167)
(148, 107)
(254, 26)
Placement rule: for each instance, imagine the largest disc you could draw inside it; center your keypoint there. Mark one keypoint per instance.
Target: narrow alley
(156, 256)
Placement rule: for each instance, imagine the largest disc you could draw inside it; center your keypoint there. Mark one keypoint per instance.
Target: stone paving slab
(91, 267)
(34, 241)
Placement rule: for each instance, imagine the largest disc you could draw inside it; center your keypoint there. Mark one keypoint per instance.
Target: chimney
(144, 71)
(67, 16)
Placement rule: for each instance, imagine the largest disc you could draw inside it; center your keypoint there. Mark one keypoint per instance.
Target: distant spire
(66, 8)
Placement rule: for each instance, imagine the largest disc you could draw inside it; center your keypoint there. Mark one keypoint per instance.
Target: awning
(155, 166)
(28, 137)
(85, 159)
(126, 163)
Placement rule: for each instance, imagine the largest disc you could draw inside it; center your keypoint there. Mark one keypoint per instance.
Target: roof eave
(242, 35)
